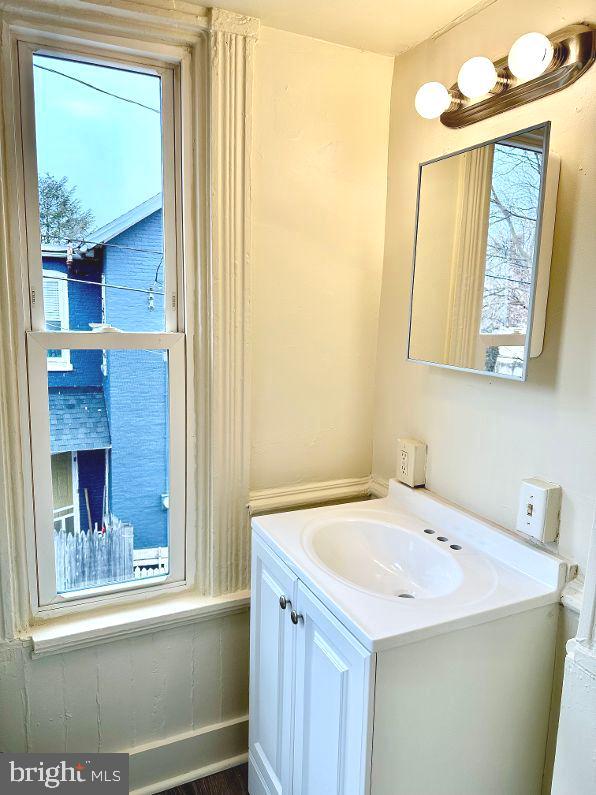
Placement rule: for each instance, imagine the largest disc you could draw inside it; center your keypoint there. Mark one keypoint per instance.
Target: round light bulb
(431, 100)
(530, 56)
(476, 77)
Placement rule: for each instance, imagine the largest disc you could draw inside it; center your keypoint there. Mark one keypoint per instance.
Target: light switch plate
(411, 462)
(539, 509)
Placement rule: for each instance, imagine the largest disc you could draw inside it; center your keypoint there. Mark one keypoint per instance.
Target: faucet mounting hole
(442, 538)
(429, 531)
(406, 595)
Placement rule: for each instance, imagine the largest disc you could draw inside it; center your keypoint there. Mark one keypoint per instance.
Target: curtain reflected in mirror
(476, 249)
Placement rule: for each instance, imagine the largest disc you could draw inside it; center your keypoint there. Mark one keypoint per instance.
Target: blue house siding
(84, 307)
(136, 398)
(136, 384)
(126, 310)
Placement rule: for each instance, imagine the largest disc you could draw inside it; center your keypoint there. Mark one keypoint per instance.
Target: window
(106, 345)
(55, 301)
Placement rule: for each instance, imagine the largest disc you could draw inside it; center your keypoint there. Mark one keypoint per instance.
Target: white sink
(409, 565)
(385, 558)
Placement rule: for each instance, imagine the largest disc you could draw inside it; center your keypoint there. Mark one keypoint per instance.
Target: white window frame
(62, 362)
(172, 66)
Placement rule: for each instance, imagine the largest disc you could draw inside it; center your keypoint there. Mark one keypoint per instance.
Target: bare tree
(61, 216)
(511, 238)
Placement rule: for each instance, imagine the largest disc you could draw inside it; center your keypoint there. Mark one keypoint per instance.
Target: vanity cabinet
(456, 711)
(310, 688)
(454, 682)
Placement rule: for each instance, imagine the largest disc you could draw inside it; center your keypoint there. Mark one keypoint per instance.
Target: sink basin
(384, 558)
(408, 565)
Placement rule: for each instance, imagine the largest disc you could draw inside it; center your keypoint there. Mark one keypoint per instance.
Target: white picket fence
(88, 560)
(150, 562)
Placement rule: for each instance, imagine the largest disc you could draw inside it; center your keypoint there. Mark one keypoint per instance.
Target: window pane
(109, 449)
(99, 160)
(513, 218)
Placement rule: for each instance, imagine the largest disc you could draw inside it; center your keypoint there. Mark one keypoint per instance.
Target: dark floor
(229, 782)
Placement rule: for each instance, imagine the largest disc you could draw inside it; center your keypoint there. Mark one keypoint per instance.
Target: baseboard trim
(176, 760)
(307, 494)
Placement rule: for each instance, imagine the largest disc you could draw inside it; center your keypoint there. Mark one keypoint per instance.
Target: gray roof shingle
(78, 420)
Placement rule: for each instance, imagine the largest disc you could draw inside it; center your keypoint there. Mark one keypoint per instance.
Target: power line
(96, 88)
(109, 245)
(118, 245)
(159, 264)
(100, 284)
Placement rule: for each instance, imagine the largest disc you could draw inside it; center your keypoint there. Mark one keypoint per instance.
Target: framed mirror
(478, 229)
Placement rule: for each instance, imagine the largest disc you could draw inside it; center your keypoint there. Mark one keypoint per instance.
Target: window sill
(69, 633)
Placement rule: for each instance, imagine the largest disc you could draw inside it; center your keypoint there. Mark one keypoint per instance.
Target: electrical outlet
(404, 464)
(411, 462)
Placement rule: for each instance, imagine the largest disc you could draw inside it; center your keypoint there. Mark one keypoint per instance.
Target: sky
(110, 149)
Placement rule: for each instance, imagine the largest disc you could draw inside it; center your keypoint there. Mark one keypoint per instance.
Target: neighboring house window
(55, 300)
(107, 402)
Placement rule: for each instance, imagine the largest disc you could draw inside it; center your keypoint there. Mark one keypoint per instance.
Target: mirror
(478, 225)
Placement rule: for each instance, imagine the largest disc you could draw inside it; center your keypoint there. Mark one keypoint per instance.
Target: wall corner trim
(379, 486)
(231, 55)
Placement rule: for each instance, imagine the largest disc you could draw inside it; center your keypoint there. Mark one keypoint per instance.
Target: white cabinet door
(272, 643)
(333, 713)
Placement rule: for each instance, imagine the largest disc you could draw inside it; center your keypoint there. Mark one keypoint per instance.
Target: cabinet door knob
(283, 602)
(296, 617)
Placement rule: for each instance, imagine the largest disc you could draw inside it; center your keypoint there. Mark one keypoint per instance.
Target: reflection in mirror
(476, 248)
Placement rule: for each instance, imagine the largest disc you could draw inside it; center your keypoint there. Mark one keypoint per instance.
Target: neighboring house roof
(112, 229)
(124, 221)
(78, 420)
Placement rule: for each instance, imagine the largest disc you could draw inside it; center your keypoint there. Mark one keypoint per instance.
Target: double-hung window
(105, 343)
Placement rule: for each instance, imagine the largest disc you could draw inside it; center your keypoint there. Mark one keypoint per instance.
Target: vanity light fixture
(537, 65)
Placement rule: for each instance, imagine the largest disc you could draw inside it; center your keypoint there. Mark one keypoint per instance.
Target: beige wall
(321, 123)
(485, 435)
